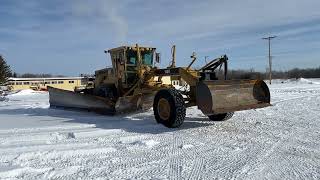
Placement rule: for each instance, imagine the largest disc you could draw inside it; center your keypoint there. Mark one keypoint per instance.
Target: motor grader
(134, 83)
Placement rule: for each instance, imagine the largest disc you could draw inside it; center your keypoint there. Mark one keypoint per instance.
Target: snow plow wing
(69, 99)
(216, 97)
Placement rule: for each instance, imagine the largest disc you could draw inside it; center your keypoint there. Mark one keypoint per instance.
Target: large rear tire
(221, 117)
(169, 108)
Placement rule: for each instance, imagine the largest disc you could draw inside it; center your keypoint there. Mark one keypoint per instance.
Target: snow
(146, 143)
(25, 92)
(277, 142)
(303, 80)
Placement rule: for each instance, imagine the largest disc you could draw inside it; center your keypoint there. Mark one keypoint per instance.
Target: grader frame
(134, 83)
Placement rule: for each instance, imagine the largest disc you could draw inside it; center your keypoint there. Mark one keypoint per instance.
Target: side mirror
(158, 57)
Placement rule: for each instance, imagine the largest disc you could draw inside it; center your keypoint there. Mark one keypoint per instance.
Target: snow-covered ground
(277, 142)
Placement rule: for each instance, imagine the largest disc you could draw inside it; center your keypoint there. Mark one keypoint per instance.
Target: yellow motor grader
(134, 83)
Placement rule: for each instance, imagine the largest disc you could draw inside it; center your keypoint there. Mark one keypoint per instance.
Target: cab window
(132, 60)
(131, 57)
(147, 58)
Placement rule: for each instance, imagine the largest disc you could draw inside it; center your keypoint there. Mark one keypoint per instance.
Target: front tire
(221, 117)
(169, 108)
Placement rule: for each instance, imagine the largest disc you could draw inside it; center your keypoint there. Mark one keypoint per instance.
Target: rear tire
(169, 108)
(221, 117)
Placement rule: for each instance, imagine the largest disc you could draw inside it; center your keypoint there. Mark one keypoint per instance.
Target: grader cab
(126, 68)
(133, 83)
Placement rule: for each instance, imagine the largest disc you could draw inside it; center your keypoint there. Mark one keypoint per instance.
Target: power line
(270, 62)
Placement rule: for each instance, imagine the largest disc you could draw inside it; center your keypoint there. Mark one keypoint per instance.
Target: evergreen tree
(15, 75)
(5, 71)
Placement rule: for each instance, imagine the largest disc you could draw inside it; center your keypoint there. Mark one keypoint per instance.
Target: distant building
(67, 83)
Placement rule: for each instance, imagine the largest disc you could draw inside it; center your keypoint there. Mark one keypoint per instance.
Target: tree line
(5, 73)
(32, 75)
(5, 70)
(293, 73)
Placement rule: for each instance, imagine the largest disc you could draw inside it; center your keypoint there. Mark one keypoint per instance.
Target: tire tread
(179, 109)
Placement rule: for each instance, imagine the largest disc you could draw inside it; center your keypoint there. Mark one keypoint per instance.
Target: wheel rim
(164, 109)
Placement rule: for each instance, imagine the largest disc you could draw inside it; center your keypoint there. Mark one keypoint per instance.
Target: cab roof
(129, 47)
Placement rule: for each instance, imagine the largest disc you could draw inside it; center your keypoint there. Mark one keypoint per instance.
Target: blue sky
(68, 37)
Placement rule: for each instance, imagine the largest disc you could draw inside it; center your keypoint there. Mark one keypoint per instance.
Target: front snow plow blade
(216, 97)
(69, 99)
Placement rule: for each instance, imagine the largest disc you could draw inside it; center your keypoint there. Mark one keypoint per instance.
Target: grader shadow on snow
(128, 122)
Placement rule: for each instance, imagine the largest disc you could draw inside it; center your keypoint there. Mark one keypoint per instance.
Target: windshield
(146, 56)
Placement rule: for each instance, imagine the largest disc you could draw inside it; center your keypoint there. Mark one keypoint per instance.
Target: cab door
(131, 67)
(118, 63)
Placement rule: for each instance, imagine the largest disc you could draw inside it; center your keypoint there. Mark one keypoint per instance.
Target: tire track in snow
(285, 141)
(175, 167)
(196, 170)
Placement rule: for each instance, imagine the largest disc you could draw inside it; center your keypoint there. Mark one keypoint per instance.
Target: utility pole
(270, 63)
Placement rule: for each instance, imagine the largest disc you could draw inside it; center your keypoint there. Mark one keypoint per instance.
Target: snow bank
(29, 100)
(25, 92)
(295, 81)
(306, 81)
